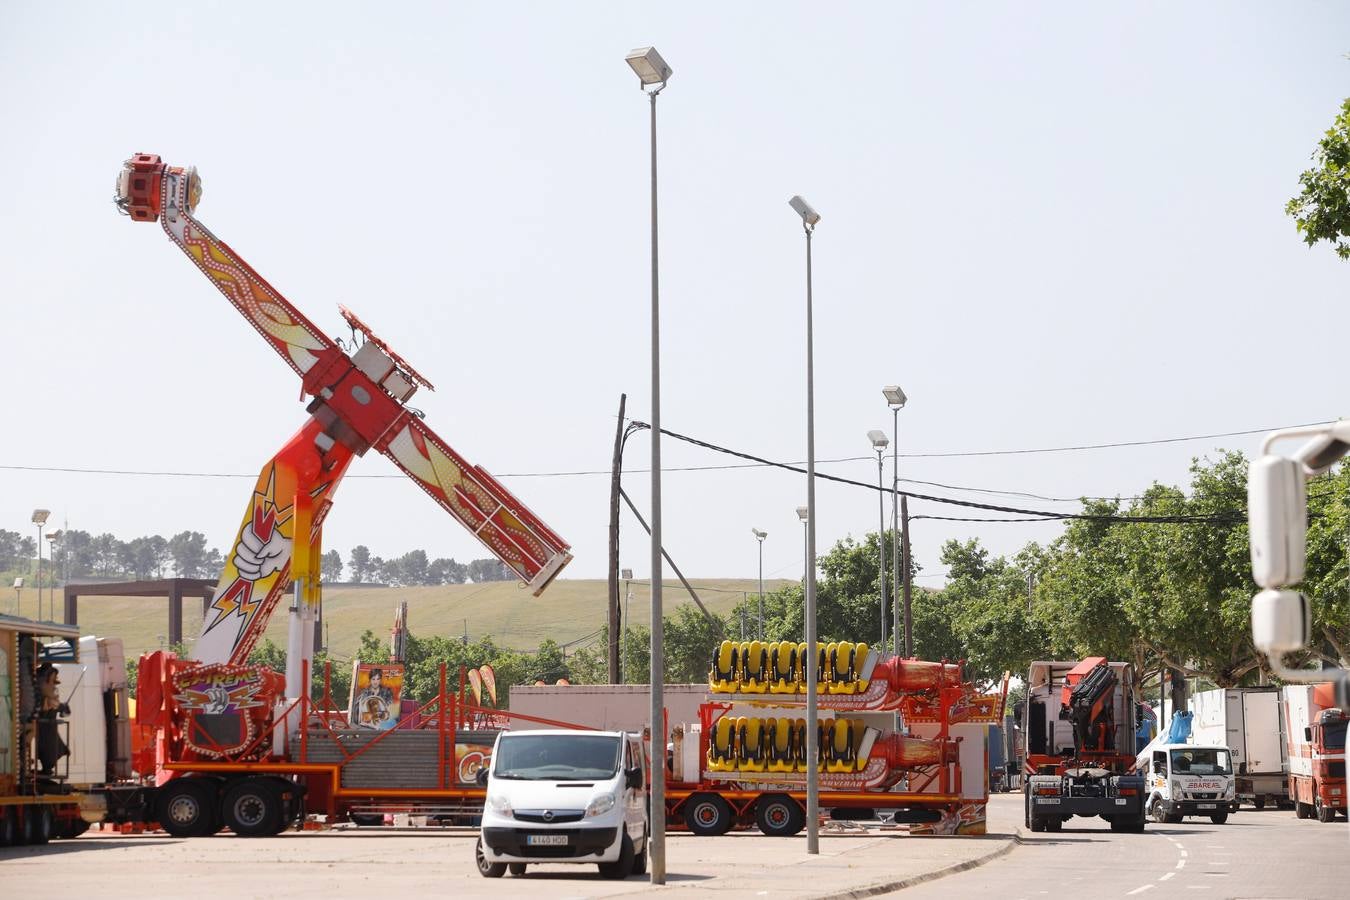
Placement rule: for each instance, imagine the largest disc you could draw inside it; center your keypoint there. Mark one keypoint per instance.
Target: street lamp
(810, 218)
(40, 519)
(652, 71)
(879, 444)
(760, 536)
(895, 398)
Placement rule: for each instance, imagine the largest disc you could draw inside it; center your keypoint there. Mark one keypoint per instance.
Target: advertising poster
(377, 689)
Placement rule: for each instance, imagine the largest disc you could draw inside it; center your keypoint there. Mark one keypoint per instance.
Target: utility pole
(904, 573)
(614, 483)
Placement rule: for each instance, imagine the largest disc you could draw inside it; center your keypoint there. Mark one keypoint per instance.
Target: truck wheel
(778, 815)
(623, 866)
(1155, 811)
(1302, 810)
(252, 808)
(366, 820)
(40, 823)
(1054, 824)
(1259, 801)
(485, 868)
(187, 807)
(8, 827)
(707, 814)
(1324, 813)
(1219, 818)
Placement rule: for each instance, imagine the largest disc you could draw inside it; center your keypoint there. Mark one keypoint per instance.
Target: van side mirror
(481, 776)
(633, 777)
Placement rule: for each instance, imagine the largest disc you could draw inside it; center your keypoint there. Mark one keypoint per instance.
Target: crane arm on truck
(359, 402)
(1087, 695)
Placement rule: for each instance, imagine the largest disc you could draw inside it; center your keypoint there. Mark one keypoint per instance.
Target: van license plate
(546, 840)
(1206, 806)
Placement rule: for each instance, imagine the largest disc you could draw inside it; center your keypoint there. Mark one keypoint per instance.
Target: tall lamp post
(40, 519)
(895, 398)
(803, 514)
(760, 536)
(653, 72)
(53, 537)
(879, 444)
(627, 576)
(810, 218)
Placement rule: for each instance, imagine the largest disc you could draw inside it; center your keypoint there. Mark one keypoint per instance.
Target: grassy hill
(568, 610)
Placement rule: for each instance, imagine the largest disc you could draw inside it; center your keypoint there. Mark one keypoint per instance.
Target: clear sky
(1050, 223)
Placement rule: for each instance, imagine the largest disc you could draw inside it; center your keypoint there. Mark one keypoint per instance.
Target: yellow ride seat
(859, 732)
(824, 741)
(782, 668)
(860, 650)
(754, 757)
(755, 668)
(722, 676)
(841, 669)
(823, 656)
(742, 659)
(799, 745)
(780, 745)
(801, 667)
(841, 755)
(721, 749)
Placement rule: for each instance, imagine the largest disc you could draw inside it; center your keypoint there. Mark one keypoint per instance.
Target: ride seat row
(779, 667)
(750, 744)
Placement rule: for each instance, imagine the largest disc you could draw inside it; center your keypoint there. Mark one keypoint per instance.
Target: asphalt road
(1266, 854)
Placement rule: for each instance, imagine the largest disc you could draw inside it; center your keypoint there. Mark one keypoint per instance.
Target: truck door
(1264, 741)
(1235, 726)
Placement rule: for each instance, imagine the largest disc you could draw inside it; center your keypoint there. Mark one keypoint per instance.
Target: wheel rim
(706, 814)
(777, 815)
(249, 810)
(184, 810)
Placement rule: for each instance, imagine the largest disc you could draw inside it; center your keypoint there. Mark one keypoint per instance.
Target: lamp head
(649, 66)
(878, 439)
(894, 396)
(40, 516)
(803, 209)
(626, 574)
(759, 534)
(803, 513)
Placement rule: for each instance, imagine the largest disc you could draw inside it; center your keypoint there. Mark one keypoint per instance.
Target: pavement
(857, 862)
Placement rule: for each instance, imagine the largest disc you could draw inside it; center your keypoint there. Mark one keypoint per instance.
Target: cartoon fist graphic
(256, 558)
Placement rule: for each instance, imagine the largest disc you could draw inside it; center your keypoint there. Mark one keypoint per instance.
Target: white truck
(1194, 779)
(1250, 722)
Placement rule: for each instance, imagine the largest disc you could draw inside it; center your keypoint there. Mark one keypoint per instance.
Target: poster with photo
(377, 689)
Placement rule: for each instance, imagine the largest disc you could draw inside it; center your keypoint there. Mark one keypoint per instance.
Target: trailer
(744, 762)
(1250, 723)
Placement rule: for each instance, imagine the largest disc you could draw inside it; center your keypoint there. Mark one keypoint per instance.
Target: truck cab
(565, 797)
(1188, 780)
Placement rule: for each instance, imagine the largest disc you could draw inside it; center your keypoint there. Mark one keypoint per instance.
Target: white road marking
(1198, 887)
(1184, 853)
(1181, 863)
(1167, 876)
(1140, 890)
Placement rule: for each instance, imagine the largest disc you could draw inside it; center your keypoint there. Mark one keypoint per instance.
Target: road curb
(873, 890)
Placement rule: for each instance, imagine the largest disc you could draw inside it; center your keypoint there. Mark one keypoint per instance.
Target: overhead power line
(1043, 515)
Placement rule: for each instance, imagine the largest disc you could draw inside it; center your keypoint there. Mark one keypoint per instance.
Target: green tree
(1321, 211)
(331, 567)
(360, 563)
(986, 601)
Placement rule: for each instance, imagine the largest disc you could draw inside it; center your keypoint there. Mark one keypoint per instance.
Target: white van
(1187, 780)
(565, 797)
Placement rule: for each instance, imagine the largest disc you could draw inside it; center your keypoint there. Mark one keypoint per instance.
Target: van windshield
(556, 757)
(1201, 762)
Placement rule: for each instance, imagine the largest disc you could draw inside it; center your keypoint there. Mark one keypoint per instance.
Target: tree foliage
(1321, 211)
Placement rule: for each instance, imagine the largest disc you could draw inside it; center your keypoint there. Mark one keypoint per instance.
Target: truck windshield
(1333, 735)
(1201, 762)
(556, 757)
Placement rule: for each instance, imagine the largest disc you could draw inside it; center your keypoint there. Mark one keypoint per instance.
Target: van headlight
(1229, 792)
(1176, 790)
(500, 805)
(600, 805)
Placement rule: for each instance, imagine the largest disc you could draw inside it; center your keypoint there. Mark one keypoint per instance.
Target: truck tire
(1323, 813)
(1302, 810)
(40, 824)
(251, 807)
(485, 868)
(1054, 824)
(707, 815)
(1219, 818)
(778, 815)
(1259, 801)
(8, 827)
(187, 807)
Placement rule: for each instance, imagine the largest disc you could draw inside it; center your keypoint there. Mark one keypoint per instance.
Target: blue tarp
(1180, 729)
